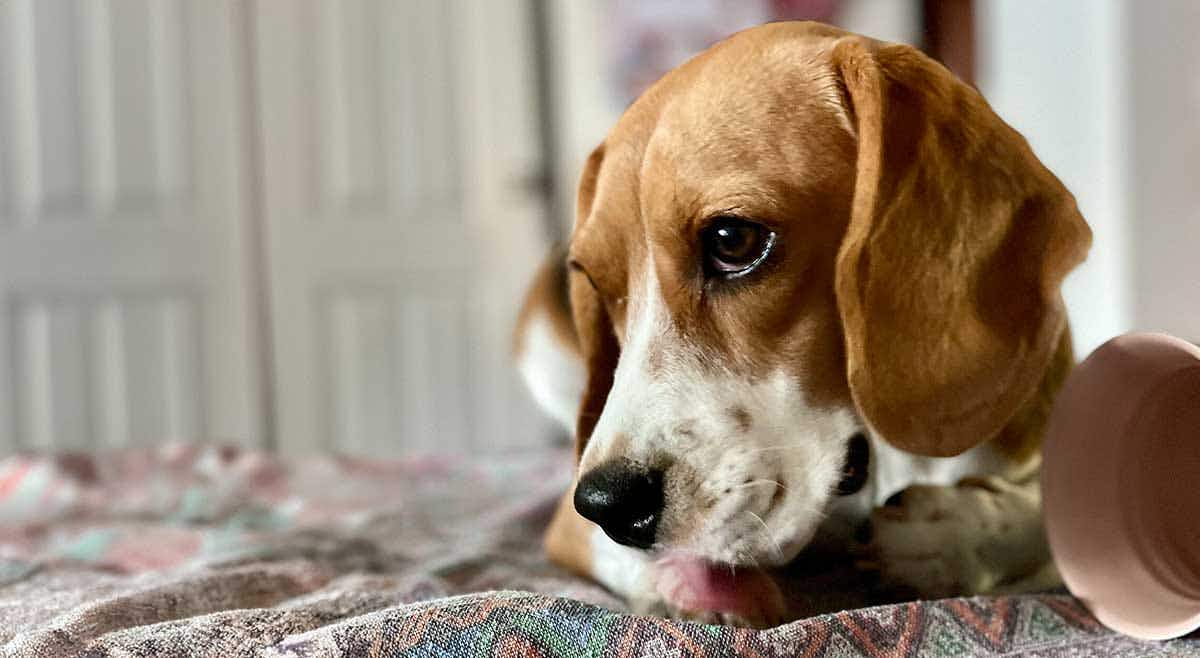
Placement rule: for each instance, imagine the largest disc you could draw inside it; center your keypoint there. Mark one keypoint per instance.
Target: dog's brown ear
(597, 342)
(948, 277)
(600, 351)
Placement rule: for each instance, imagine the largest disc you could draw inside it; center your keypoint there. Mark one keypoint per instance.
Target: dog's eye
(734, 246)
(574, 265)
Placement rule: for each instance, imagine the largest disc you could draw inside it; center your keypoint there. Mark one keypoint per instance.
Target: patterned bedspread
(191, 550)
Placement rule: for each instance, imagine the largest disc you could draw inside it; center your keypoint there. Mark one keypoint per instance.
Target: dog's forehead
(743, 124)
(743, 62)
(765, 113)
(756, 125)
(732, 107)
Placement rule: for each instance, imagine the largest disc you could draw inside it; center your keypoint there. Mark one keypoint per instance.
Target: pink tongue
(695, 584)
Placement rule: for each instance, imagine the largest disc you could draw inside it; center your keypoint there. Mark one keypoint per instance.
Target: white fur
(682, 412)
(624, 570)
(553, 373)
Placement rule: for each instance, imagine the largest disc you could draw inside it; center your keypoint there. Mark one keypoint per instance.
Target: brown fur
(566, 538)
(1021, 439)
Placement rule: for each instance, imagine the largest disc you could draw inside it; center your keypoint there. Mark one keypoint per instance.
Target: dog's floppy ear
(600, 350)
(597, 342)
(948, 277)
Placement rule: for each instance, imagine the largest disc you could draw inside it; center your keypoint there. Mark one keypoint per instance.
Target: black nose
(624, 499)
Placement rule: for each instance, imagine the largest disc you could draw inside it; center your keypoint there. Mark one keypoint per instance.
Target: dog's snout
(624, 499)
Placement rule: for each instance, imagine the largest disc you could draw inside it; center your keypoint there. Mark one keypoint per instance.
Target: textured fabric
(207, 551)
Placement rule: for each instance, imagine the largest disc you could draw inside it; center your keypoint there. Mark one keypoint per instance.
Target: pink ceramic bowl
(1121, 485)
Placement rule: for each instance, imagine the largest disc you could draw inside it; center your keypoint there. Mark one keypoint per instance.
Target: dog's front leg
(981, 535)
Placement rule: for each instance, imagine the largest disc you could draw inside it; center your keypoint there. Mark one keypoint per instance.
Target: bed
(209, 550)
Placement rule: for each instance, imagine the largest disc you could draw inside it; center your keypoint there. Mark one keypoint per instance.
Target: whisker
(767, 530)
(756, 483)
(793, 446)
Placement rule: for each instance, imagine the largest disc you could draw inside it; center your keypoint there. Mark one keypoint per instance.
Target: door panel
(101, 371)
(385, 145)
(124, 313)
(394, 138)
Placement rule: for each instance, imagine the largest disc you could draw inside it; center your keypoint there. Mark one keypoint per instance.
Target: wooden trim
(949, 35)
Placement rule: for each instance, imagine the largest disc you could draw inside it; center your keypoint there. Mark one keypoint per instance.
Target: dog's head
(799, 236)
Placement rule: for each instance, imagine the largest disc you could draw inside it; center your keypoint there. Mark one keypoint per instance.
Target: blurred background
(306, 224)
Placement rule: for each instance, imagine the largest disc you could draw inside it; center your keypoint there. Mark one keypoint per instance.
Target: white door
(124, 314)
(395, 136)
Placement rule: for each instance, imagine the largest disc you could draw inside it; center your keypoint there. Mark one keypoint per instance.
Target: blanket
(204, 550)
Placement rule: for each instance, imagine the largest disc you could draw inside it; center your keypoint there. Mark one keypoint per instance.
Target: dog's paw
(937, 541)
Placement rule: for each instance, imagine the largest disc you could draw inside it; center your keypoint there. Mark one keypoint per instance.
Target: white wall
(1108, 93)
(1164, 172)
(585, 111)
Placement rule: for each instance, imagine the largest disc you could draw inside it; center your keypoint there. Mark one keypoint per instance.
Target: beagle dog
(813, 282)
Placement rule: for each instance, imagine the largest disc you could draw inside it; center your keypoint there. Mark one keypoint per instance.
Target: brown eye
(733, 247)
